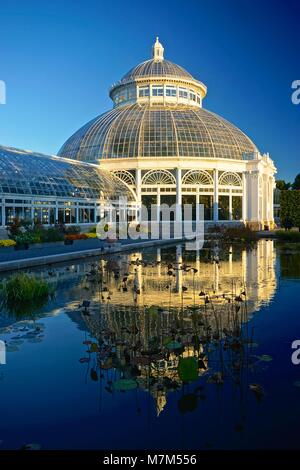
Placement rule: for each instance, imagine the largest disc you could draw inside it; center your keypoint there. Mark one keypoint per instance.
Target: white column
(254, 197)
(197, 205)
(138, 188)
(158, 261)
(244, 201)
(178, 195)
(216, 195)
(271, 198)
(158, 204)
(179, 271)
(264, 214)
(230, 204)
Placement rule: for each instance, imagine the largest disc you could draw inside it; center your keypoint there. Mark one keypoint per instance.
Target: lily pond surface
(158, 349)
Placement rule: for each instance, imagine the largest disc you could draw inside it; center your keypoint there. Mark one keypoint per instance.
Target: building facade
(50, 189)
(168, 149)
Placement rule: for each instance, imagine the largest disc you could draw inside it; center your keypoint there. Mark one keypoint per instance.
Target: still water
(174, 350)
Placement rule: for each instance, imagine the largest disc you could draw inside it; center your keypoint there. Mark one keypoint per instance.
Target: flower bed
(76, 236)
(7, 243)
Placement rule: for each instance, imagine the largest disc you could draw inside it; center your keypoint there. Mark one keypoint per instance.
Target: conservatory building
(160, 141)
(51, 190)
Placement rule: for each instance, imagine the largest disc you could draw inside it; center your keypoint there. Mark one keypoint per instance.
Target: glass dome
(27, 173)
(138, 131)
(157, 113)
(153, 68)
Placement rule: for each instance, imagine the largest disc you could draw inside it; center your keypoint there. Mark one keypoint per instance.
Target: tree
(290, 209)
(282, 185)
(296, 183)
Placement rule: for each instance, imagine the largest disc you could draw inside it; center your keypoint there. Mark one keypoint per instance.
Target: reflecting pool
(159, 349)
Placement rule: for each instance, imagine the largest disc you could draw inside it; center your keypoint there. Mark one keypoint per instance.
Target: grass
(24, 294)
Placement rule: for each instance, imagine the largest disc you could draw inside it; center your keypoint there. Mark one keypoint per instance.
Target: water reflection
(154, 336)
(163, 319)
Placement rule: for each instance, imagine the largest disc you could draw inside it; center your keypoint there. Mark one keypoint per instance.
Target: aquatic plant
(23, 294)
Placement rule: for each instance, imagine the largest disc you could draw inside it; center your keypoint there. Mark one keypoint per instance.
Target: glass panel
(236, 207)
(61, 216)
(171, 91)
(157, 91)
(223, 207)
(144, 91)
(207, 201)
(189, 199)
(148, 200)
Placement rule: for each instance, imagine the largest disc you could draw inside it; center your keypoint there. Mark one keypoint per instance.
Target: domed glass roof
(28, 173)
(153, 68)
(137, 131)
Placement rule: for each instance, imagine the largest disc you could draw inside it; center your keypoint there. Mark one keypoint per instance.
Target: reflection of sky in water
(111, 378)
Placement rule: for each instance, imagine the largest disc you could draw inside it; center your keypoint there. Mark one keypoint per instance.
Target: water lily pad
(30, 335)
(174, 345)
(257, 390)
(265, 358)
(83, 360)
(16, 342)
(12, 348)
(5, 330)
(167, 340)
(188, 369)
(94, 348)
(32, 446)
(125, 384)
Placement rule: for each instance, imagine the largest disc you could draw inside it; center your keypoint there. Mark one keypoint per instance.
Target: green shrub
(23, 294)
(51, 234)
(290, 208)
(26, 237)
(17, 226)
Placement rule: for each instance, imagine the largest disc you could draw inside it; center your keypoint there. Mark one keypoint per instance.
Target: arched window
(125, 176)
(154, 177)
(230, 179)
(197, 177)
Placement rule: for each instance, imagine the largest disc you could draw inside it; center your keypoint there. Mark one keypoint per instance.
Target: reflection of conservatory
(168, 149)
(156, 311)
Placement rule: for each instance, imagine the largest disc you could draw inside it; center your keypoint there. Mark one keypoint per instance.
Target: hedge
(290, 207)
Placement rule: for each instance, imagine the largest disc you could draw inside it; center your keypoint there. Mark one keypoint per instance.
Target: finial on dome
(158, 51)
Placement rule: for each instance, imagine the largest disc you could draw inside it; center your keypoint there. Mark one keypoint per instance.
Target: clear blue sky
(58, 59)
